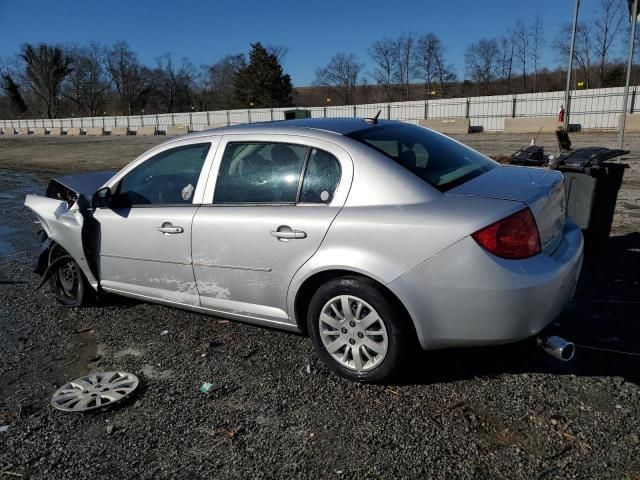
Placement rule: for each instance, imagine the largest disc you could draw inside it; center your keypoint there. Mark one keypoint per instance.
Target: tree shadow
(602, 320)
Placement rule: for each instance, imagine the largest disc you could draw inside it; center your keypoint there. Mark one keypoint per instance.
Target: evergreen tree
(262, 83)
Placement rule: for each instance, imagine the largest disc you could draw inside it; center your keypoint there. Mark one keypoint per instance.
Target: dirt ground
(501, 412)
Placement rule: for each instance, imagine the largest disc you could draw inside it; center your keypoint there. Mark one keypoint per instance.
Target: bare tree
(216, 82)
(583, 51)
(403, 48)
(382, 54)
(223, 74)
(88, 85)
(446, 73)
(174, 83)
(341, 76)
(426, 65)
(521, 43)
(481, 61)
(537, 43)
(127, 75)
(505, 67)
(429, 63)
(607, 29)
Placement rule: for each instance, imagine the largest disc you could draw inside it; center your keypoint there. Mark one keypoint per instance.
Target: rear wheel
(69, 285)
(356, 330)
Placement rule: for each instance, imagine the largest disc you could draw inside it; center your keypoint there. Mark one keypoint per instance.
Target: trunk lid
(540, 189)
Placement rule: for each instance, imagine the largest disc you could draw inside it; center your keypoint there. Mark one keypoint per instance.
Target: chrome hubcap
(353, 333)
(97, 390)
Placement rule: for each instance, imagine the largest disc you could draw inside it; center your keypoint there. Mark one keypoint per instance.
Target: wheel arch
(311, 284)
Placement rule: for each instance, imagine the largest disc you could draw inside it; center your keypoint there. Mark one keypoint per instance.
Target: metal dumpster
(592, 183)
(293, 114)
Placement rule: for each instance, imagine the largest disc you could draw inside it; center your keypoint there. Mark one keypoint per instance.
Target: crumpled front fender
(64, 226)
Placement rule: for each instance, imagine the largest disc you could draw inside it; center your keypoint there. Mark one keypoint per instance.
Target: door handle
(284, 233)
(168, 229)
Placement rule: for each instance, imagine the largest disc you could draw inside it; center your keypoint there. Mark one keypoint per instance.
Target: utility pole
(633, 13)
(567, 94)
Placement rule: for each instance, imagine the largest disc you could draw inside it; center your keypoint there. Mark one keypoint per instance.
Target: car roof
(340, 126)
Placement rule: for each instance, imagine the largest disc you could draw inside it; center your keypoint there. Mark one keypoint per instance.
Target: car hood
(85, 183)
(539, 188)
(70, 187)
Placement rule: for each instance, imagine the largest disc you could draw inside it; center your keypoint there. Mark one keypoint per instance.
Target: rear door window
(256, 172)
(321, 177)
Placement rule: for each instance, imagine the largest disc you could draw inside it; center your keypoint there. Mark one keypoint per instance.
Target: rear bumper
(465, 296)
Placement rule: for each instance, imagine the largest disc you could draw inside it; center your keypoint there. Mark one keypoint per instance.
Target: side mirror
(102, 198)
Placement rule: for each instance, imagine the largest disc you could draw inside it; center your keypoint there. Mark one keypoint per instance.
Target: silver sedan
(370, 236)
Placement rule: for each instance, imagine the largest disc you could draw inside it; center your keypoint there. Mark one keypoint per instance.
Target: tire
(381, 346)
(69, 285)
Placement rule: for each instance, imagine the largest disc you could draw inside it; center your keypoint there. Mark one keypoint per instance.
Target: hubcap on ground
(97, 390)
(353, 333)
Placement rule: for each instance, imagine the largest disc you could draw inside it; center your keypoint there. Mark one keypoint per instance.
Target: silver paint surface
(383, 222)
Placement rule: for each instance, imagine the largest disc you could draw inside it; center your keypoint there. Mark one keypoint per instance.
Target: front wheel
(356, 330)
(69, 285)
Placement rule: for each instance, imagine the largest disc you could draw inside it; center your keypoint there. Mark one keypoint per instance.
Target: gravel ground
(501, 412)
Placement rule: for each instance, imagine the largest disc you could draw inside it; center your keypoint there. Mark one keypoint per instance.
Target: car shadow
(603, 320)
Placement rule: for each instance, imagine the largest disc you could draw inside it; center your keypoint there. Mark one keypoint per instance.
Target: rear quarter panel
(384, 242)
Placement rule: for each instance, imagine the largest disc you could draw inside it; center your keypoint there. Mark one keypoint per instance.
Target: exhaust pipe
(558, 348)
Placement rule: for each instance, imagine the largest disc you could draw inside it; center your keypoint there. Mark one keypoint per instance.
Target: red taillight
(513, 237)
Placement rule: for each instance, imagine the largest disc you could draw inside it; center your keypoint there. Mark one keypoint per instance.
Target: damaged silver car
(371, 236)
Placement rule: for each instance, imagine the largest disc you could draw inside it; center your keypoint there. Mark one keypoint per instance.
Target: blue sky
(204, 31)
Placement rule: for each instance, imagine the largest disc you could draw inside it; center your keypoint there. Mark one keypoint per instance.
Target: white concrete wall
(594, 109)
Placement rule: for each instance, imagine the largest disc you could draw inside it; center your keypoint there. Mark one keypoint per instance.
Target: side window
(167, 178)
(255, 172)
(321, 178)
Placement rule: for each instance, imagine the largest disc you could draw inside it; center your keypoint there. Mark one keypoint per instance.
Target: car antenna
(373, 120)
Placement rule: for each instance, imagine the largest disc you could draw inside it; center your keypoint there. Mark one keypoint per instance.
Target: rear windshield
(435, 158)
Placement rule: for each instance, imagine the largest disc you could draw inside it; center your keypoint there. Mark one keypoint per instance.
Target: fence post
(191, 121)
(467, 108)
(324, 112)
(173, 120)
(157, 121)
(633, 101)
(271, 114)
(103, 122)
(388, 111)
(426, 109)
(249, 115)
(228, 118)
(93, 121)
(354, 110)
(513, 107)
(208, 119)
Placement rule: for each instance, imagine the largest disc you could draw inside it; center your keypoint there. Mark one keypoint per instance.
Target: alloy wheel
(353, 333)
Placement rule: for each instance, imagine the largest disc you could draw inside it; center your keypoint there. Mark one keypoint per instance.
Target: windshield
(435, 158)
